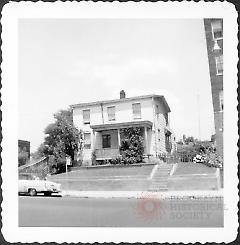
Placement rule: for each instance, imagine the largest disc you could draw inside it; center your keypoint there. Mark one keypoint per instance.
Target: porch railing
(106, 153)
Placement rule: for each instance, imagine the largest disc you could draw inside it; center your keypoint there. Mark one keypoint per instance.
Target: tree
(62, 137)
(189, 139)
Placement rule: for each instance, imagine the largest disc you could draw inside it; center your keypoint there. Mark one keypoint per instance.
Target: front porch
(106, 154)
(107, 138)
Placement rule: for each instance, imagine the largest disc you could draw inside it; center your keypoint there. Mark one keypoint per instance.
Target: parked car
(32, 185)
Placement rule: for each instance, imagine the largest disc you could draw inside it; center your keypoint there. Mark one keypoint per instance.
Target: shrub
(210, 159)
(117, 161)
(132, 147)
(94, 161)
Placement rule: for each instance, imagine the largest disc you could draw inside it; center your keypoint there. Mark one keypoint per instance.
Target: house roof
(110, 126)
(161, 97)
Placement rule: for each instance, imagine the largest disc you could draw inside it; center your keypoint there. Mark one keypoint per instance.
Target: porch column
(94, 140)
(119, 139)
(146, 139)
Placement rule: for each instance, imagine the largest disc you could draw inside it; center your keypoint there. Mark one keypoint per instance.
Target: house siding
(160, 124)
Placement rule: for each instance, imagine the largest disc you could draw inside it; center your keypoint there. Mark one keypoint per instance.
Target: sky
(66, 61)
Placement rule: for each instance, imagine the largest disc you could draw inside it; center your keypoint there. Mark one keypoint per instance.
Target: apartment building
(101, 122)
(214, 41)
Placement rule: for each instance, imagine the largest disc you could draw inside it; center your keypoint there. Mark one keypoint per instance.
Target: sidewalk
(144, 194)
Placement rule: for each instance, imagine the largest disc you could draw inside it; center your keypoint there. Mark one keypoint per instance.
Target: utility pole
(199, 119)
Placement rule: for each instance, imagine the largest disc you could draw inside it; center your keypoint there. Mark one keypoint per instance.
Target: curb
(139, 195)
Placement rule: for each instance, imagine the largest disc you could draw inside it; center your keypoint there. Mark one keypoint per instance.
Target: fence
(176, 157)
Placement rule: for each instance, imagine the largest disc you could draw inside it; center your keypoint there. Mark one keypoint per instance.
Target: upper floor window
(106, 141)
(87, 140)
(217, 29)
(159, 135)
(166, 118)
(219, 64)
(136, 107)
(111, 113)
(221, 100)
(86, 116)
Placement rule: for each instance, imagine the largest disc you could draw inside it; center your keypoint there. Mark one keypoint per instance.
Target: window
(166, 118)
(221, 100)
(111, 113)
(157, 111)
(219, 64)
(106, 141)
(86, 116)
(136, 110)
(87, 140)
(217, 30)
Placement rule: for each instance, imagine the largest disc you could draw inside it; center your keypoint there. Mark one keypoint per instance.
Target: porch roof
(109, 126)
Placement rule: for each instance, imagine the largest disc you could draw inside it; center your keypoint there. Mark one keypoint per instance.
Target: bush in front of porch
(132, 145)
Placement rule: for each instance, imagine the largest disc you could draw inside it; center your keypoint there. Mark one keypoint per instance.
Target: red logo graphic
(149, 207)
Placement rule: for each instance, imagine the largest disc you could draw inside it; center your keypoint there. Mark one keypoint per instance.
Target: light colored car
(32, 185)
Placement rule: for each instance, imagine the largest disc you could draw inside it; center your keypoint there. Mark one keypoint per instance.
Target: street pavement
(148, 211)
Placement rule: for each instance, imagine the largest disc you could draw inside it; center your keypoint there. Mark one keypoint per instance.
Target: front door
(106, 141)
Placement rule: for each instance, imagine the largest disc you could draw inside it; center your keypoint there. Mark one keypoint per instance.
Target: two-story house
(101, 122)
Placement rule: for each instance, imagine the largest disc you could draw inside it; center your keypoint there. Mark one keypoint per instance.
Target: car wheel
(47, 193)
(32, 192)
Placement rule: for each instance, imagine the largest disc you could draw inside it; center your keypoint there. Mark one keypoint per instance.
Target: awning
(109, 126)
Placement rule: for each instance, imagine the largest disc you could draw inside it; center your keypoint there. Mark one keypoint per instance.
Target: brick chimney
(122, 94)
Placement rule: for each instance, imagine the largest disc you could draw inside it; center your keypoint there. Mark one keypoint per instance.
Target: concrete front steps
(160, 177)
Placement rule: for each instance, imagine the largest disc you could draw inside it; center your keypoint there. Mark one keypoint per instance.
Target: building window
(136, 110)
(159, 136)
(219, 64)
(87, 140)
(86, 116)
(166, 118)
(217, 29)
(221, 100)
(111, 113)
(157, 111)
(106, 141)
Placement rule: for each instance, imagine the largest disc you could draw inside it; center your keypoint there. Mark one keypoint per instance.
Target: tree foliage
(62, 137)
(132, 146)
(194, 147)
(189, 139)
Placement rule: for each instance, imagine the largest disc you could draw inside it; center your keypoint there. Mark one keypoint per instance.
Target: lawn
(193, 168)
(124, 178)
(101, 172)
(193, 176)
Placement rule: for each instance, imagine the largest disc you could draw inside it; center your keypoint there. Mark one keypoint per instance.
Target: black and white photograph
(120, 116)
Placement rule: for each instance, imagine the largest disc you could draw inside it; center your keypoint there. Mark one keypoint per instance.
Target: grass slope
(193, 168)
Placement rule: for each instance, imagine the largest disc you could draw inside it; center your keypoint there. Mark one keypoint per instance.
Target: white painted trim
(173, 169)
(153, 171)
